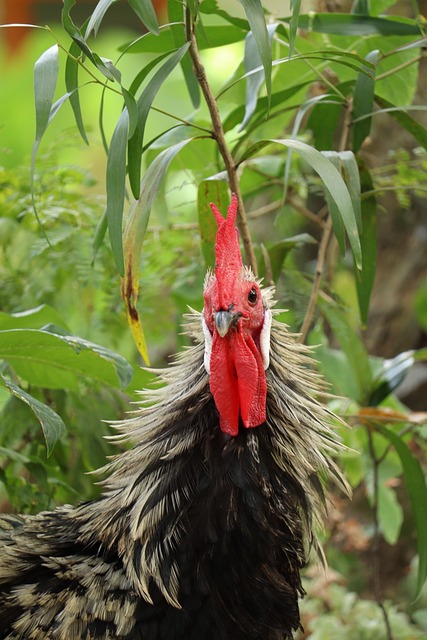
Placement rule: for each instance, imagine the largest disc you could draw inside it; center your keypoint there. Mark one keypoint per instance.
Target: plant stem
(376, 537)
(219, 137)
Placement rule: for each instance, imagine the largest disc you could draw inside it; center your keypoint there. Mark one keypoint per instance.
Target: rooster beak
(224, 320)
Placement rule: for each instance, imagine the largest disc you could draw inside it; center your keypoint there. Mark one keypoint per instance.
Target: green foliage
(289, 105)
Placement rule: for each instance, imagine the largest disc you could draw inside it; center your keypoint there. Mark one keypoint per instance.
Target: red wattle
(237, 382)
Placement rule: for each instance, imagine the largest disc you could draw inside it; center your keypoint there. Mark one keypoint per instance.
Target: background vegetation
(315, 120)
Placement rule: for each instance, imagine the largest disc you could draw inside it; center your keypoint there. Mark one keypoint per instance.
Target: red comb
(227, 249)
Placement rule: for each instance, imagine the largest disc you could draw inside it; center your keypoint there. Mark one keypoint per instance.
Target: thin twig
(376, 537)
(323, 247)
(219, 137)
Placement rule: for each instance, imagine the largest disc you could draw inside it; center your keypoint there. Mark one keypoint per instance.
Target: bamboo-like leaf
(417, 490)
(293, 24)
(368, 241)
(252, 60)
(363, 102)
(145, 11)
(52, 424)
(332, 180)
(46, 71)
(144, 105)
(136, 226)
(211, 7)
(346, 24)
(345, 162)
(72, 86)
(176, 18)
(255, 15)
(360, 7)
(278, 251)
(214, 189)
(97, 16)
(352, 346)
(216, 36)
(390, 375)
(404, 119)
(116, 187)
(304, 108)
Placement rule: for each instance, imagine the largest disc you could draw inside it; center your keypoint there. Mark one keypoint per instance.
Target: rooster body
(206, 522)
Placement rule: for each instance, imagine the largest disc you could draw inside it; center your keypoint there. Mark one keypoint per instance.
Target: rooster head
(236, 325)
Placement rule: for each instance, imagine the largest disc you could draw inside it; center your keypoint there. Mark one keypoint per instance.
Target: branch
(219, 137)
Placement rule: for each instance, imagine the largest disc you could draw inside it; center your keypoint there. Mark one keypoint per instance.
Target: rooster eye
(252, 296)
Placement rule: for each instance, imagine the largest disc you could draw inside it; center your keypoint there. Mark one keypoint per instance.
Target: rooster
(206, 522)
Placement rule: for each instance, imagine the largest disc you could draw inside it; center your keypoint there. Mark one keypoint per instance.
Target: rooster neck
(188, 495)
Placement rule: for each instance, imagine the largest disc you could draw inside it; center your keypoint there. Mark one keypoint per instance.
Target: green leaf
(52, 424)
(404, 119)
(213, 189)
(71, 83)
(136, 226)
(345, 24)
(176, 18)
(293, 24)
(417, 490)
(390, 513)
(216, 36)
(145, 11)
(54, 361)
(46, 71)
(144, 105)
(368, 242)
(255, 15)
(97, 15)
(278, 251)
(360, 7)
(254, 81)
(211, 7)
(390, 375)
(363, 102)
(345, 162)
(31, 319)
(116, 186)
(332, 180)
(352, 346)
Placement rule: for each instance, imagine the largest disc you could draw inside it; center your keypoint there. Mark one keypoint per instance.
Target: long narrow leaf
(176, 18)
(116, 185)
(72, 86)
(254, 81)
(345, 24)
(134, 235)
(363, 102)
(144, 105)
(404, 119)
(368, 241)
(217, 36)
(145, 11)
(52, 424)
(332, 180)
(417, 490)
(46, 71)
(255, 15)
(214, 189)
(293, 24)
(352, 346)
(97, 16)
